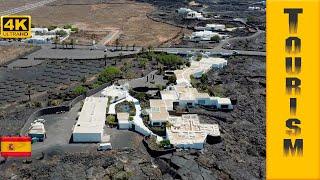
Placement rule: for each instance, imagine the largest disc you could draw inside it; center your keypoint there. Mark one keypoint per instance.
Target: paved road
(87, 52)
(26, 7)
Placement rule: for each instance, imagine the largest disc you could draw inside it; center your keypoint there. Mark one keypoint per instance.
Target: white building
(123, 120)
(253, 8)
(184, 95)
(205, 35)
(91, 122)
(116, 93)
(158, 113)
(183, 11)
(187, 132)
(39, 30)
(212, 27)
(194, 15)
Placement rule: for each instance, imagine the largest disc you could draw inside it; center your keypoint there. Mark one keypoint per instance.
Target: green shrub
(109, 74)
(62, 33)
(79, 90)
(215, 38)
(111, 120)
(165, 143)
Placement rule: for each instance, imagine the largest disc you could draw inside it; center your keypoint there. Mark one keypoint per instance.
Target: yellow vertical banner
(293, 67)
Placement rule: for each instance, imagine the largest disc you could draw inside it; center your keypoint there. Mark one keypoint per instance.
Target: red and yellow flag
(15, 146)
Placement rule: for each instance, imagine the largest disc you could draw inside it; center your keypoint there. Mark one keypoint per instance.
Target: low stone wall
(156, 153)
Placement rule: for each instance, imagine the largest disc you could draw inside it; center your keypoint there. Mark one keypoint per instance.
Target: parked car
(104, 147)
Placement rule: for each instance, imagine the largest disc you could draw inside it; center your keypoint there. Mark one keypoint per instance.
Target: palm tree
(72, 43)
(117, 43)
(56, 41)
(150, 48)
(105, 60)
(133, 46)
(127, 47)
(29, 92)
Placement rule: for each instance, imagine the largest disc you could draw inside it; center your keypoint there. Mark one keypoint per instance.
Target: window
(224, 106)
(156, 124)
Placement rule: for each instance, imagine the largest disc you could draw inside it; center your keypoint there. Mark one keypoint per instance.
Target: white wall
(87, 137)
(124, 125)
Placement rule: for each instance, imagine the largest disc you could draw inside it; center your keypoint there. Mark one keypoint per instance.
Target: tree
(150, 48)
(105, 60)
(29, 92)
(62, 33)
(215, 38)
(72, 43)
(83, 79)
(117, 43)
(127, 47)
(111, 120)
(109, 74)
(133, 47)
(56, 41)
(143, 62)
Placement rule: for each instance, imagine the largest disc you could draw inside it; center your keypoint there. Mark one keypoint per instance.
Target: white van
(104, 147)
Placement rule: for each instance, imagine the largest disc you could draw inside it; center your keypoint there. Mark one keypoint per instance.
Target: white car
(104, 147)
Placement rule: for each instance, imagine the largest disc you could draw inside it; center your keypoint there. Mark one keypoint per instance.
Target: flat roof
(157, 103)
(187, 129)
(92, 116)
(224, 101)
(123, 116)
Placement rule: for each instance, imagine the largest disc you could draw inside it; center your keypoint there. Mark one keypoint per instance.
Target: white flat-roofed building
(158, 113)
(224, 104)
(39, 30)
(115, 93)
(183, 11)
(91, 122)
(187, 132)
(194, 15)
(211, 27)
(123, 120)
(205, 35)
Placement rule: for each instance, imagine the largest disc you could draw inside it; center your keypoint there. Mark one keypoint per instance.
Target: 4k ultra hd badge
(15, 27)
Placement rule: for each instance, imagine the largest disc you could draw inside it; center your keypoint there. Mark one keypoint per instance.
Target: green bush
(62, 33)
(109, 74)
(215, 38)
(111, 120)
(165, 143)
(169, 59)
(79, 90)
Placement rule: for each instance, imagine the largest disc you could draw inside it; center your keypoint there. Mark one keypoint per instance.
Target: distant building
(252, 8)
(91, 122)
(39, 30)
(204, 35)
(183, 11)
(194, 15)
(212, 27)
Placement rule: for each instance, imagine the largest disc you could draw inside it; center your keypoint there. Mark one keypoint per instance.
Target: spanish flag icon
(15, 146)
